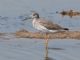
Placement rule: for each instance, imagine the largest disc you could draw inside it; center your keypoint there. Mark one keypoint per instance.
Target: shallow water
(12, 12)
(34, 49)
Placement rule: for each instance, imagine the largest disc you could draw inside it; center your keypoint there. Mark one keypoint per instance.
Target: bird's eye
(33, 14)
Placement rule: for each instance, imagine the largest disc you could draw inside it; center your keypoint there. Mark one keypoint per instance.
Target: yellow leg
(46, 46)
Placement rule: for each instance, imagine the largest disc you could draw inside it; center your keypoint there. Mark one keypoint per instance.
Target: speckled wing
(49, 25)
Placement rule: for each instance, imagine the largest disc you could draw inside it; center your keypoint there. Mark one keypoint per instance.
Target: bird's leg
(46, 46)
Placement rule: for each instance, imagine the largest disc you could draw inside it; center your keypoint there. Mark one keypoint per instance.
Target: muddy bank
(56, 35)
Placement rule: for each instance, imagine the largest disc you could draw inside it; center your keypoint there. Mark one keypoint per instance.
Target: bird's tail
(65, 28)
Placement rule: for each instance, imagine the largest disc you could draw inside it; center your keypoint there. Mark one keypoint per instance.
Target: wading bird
(45, 25)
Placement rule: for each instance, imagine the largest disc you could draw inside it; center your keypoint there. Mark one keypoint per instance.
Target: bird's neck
(34, 21)
(35, 18)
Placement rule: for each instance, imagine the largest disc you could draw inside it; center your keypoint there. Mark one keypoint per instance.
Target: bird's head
(33, 16)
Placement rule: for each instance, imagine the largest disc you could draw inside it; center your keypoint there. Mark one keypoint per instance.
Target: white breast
(37, 26)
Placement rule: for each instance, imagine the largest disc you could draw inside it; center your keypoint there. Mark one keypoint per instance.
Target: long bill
(27, 18)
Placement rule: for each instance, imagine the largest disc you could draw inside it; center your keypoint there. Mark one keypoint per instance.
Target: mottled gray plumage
(49, 24)
(46, 23)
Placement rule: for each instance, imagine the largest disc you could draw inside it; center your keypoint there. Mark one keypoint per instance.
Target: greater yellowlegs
(45, 26)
